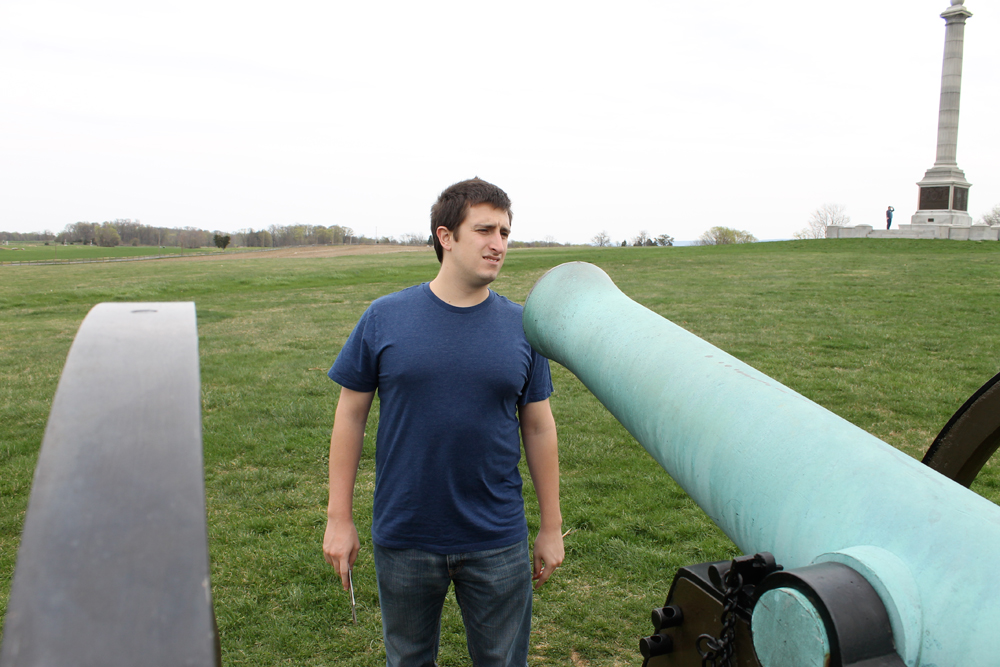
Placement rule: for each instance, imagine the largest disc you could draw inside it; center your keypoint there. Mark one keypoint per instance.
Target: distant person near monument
(459, 389)
(888, 217)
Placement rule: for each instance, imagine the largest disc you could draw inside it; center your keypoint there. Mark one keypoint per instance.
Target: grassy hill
(892, 335)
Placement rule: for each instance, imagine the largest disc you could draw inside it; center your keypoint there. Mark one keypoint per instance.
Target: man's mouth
(495, 260)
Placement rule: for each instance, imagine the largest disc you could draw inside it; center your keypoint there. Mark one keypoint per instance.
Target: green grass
(893, 335)
(34, 252)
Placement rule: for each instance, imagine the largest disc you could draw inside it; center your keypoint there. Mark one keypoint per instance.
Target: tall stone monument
(943, 208)
(944, 192)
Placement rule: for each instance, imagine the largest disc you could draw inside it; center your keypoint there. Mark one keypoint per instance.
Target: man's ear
(444, 236)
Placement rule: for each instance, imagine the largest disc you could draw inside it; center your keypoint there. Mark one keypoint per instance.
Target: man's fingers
(342, 565)
(542, 576)
(537, 566)
(344, 570)
(547, 555)
(340, 549)
(345, 567)
(541, 571)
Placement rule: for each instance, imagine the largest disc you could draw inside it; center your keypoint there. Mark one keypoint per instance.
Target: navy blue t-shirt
(449, 381)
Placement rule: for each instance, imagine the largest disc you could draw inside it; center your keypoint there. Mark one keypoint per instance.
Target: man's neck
(457, 293)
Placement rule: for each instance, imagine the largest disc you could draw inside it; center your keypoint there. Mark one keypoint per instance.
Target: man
(888, 217)
(457, 381)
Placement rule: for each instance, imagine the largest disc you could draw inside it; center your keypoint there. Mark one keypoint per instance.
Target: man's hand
(340, 548)
(548, 555)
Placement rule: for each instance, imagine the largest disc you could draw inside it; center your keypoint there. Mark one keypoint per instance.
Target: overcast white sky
(667, 116)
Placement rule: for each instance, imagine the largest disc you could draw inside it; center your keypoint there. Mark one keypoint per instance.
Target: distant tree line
(21, 237)
(644, 238)
(125, 231)
(277, 236)
(549, 242)
(133, 232)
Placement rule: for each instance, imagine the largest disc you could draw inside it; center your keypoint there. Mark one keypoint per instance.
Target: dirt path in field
(313, 251)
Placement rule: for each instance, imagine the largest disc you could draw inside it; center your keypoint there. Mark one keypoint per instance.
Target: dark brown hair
(453, 204)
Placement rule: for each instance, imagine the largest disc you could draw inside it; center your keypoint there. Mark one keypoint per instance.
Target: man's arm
(340, 543)
(541, 449)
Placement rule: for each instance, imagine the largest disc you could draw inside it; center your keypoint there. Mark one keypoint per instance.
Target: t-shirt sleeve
(539, 385)
(356, 366)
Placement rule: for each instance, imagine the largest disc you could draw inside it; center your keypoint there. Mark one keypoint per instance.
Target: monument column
(944, 192)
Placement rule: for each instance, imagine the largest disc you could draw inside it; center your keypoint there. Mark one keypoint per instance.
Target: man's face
(479, 247)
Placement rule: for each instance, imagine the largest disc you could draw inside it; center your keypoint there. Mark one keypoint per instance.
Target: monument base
(945, 218)
(919, 231)
(943, 198)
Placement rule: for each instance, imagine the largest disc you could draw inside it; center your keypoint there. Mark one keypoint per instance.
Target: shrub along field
(893, 335)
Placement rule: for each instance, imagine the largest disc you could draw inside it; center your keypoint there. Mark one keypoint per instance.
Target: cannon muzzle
(781, 474)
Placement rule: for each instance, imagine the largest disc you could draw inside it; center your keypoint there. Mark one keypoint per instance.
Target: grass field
(892, 335)
(34, 252)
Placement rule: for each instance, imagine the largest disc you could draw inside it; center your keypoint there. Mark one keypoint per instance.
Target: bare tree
(602, 240)
(83, 232)
(823, 217)
(412, 239)
(725, 236)
(641, 239)
(991, 218)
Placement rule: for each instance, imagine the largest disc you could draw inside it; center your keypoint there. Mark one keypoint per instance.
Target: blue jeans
(493, 589)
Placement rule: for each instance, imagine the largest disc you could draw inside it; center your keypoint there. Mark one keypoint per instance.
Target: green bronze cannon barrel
(779, 473)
